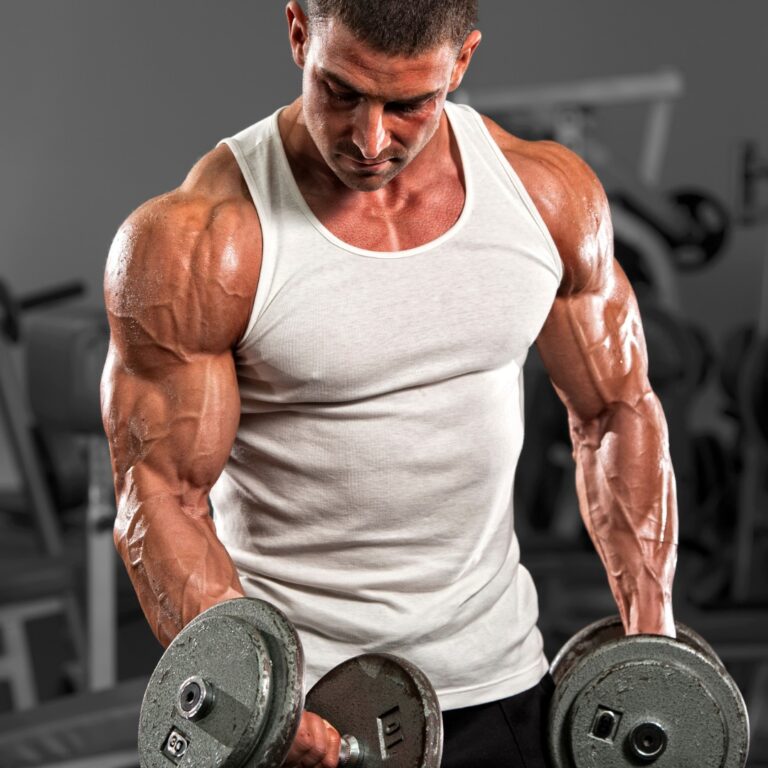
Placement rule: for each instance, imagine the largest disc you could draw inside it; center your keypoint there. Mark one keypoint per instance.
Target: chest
(348, 328)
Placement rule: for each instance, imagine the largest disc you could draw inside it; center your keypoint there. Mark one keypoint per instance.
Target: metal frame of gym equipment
(18, 418)
(96, 646)
(753, 496)
(20, 426)
(74, 343)
(568, 101)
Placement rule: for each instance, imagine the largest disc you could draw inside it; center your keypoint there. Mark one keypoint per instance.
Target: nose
(369, 134)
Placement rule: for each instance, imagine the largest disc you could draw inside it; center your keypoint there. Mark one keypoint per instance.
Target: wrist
(650, 615)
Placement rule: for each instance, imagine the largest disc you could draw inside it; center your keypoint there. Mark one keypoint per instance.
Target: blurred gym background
(107, 103)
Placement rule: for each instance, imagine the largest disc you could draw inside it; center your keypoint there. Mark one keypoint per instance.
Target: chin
(364, 182)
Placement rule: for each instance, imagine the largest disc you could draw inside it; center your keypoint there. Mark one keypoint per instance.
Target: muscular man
(324, 328)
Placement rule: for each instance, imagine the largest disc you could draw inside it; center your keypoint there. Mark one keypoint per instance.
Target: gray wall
(106, 103)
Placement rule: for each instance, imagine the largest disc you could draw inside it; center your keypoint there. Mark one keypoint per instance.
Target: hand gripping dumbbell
(229, 692)
(644, 700)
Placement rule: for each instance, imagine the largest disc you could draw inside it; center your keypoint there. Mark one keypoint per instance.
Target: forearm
(174, 559)
(627, 497)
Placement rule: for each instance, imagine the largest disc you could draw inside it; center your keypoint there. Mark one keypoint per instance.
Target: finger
(315, 755)
(309, 745)
(302, 743)
(333, 746)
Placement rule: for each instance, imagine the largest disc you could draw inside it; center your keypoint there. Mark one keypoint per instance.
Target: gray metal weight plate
(644, 700)
(227, 692)
(388, 705)
(596, 634)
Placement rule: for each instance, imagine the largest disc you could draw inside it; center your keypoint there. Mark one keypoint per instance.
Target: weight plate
(646, 694)
(388, 705)
(207, 699)
(709, 228)
(617, 696)
(604, 630)
(227, 692)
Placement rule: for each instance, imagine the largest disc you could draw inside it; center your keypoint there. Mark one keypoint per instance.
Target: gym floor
(91, 129)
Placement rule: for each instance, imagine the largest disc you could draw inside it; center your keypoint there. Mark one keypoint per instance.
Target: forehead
(335, 50)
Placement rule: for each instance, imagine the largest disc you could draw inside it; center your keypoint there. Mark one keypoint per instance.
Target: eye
(344, 97)
(408, 108)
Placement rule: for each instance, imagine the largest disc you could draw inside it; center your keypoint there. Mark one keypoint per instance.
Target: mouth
(368, 165)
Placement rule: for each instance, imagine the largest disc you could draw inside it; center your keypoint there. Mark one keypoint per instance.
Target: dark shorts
(510, 733)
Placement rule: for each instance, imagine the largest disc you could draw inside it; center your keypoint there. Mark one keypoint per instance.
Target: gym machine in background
(65, 511)
(746, 377)
(57, 439)
(41, 581)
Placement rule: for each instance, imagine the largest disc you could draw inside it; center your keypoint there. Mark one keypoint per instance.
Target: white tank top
(369, 490)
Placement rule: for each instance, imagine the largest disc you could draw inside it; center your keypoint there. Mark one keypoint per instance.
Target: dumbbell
(644, 700)
(229, 692)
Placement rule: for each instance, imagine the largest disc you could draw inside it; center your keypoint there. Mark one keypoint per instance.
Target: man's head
(376, 75)
(399, 27)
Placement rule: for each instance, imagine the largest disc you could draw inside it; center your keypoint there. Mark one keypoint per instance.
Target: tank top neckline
(337, 241)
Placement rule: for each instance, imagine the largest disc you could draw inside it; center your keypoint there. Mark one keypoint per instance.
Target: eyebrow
(344, 84)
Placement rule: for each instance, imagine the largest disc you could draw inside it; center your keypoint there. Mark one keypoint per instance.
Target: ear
(298, 32)
(462, 61)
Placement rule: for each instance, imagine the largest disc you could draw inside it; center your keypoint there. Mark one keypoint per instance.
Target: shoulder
(183, 267)
(572, 203)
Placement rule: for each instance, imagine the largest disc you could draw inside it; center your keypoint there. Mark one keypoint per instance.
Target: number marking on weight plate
(390, 732)
(176, 745)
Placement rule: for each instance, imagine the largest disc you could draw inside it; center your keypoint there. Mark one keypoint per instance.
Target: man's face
(369, 113)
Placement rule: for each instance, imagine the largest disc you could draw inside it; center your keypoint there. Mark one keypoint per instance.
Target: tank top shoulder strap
(489, 159)
(256, 154)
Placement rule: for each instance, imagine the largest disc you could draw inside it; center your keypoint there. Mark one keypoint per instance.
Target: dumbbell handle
(349, 754)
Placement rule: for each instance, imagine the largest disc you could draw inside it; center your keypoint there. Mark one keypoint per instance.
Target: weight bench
(91, 729)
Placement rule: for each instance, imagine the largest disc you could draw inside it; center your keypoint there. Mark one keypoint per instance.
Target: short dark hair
(404, 27)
